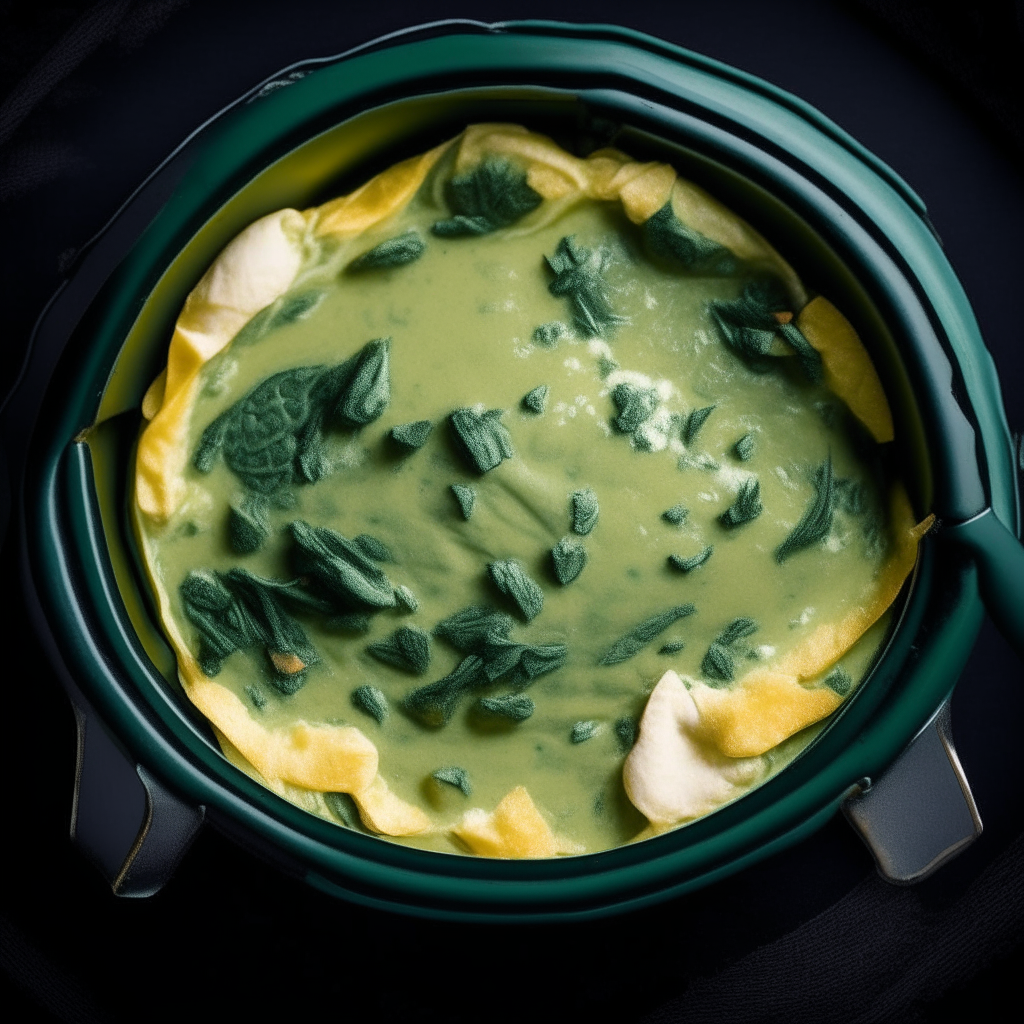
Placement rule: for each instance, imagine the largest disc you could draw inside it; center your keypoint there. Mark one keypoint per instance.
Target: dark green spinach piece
(372, 701)
(671, 240)
(492, 195)
(536, 401)
(641, 635)
(435, 703)
(515, 706)
(373, 548)
(693, 562)
(585, 510)
(274, 435)
(635, 406)
(511, 579)
(693, 423)
(412, 435)
(338, 568)
(483, 439)
(569, 558)
(579, 277)
(816, 522)
(454, 776)
(675, 515)
(466, 498)
(248, 524)
(718, 665)
(407, 648)
(395, 252)
(744, 448)
(583, 731)
(746, 507)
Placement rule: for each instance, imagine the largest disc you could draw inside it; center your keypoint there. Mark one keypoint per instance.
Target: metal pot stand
(914, 816)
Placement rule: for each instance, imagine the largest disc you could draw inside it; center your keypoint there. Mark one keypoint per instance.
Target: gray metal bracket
(124, 819)
(920, 813)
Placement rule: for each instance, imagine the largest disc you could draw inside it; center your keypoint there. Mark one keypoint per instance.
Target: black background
(95, 95)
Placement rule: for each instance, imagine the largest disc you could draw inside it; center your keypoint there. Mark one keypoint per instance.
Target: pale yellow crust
(849, 372)
(514, 829)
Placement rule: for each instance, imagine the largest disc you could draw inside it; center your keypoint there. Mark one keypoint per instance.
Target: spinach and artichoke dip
(517, 504)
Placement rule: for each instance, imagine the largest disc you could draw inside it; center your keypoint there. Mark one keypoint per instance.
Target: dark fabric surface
(93, 97)
(878, 954)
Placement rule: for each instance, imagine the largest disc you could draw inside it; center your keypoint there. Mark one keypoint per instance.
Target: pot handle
(124, 819)
(920, 813)
(999, 557)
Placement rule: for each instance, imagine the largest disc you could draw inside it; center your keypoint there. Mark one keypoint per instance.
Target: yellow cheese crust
(514, 829)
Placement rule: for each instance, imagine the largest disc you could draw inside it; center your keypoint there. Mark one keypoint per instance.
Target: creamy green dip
(462, 321)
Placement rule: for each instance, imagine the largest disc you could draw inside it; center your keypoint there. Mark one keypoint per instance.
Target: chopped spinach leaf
(569, 557)
(257, 696)
(675, 515)
(751, 324)
(671, 240)
(746, 507)
(485, 632)
(435, 703)
(339, 568)
(368, 391)
(693, 423)
(406, 598)
(584, 511)
(641, 635)
(635, 406)
(454, 776)
(625, 733)
(839, 680)
(511, 579)
(408, 648)
(718, 664)
(493, 195)
(372, 701)
(395, 252)
(516, 706)
(248, 524)
(816, 522)
(537, 399)
(520, 663)
(466, 497)
(672, 647)
(274, 435)
(693, 562)
(744, 448)
(548, 335)
(808, 356)
(412, 435)
(583, 731)
(471, 627)
(373, 548)
(483, 439)
(579, 278)
(344, 808)
(210, 444)
(236, 610)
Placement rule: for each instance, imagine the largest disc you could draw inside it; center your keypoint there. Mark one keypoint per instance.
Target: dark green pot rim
(875, 221)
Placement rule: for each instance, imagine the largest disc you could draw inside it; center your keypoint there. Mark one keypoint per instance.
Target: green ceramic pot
(851, 227)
